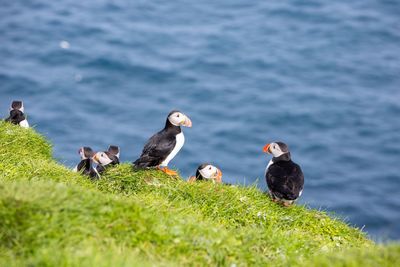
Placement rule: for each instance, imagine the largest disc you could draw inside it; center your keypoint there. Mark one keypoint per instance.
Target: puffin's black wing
(285, 179)
(156, 150)
(83, 165)
(100, 168)
(93, 174)
(115, 160)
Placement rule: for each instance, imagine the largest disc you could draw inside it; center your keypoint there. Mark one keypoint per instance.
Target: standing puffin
(17, 115)
(284, 177)
(162, 147)
(207, 172)
(107, 158)
(85, 165)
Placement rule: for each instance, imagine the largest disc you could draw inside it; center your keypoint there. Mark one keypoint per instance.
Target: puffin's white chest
(24, 124)
(269, 164)
(180, 140)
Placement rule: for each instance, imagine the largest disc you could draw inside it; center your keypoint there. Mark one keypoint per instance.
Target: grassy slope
(52, 216)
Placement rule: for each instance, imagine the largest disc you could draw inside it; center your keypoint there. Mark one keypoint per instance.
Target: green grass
(50, 216)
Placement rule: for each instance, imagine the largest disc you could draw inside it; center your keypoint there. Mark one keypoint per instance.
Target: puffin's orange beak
(266, 148)
(95, 158)
(187, 122)
(219, 176)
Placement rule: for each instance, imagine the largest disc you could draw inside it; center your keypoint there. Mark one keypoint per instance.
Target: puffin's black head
(177, 118)
(114, 150)
(85, 152)
(207, 171)
(17, 105)
(16, 112)
(104, 158)
(277, 149)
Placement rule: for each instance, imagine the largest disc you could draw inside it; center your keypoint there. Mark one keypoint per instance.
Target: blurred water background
(322, 76)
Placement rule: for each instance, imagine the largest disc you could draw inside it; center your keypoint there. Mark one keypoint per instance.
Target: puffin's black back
(285, 179)
(16, 116)
(158, 147)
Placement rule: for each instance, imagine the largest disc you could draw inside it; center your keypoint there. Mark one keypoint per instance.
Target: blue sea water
(322, 76)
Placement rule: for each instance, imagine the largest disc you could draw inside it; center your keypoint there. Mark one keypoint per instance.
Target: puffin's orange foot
(287, 204)
(168, 171)
(272, 198)
(192, 179)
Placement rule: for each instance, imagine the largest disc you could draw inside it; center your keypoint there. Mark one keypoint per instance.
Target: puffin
(285, 178)
(107, 158)
(207, 172)
(163, 146)
(17, 115)
(86, 165)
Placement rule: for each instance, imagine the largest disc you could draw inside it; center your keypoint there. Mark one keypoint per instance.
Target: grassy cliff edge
(50, 216)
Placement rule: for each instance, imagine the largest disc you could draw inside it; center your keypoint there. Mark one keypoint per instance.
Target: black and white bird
(207, 172)
(107, 158)
(162, 147)
(85, 166)
(285, 178)
(17, 115)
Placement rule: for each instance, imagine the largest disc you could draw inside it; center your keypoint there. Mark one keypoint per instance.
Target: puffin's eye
(102, 154)
(177, 115)
(209, 168)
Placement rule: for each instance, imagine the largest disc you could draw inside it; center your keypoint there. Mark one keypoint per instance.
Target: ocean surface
(322, 76)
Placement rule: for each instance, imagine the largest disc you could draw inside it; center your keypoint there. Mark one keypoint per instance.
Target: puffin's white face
(82, 153)
(101, 158)
(22, 107)
(179, 119)
(211, 172)
(274, 149)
